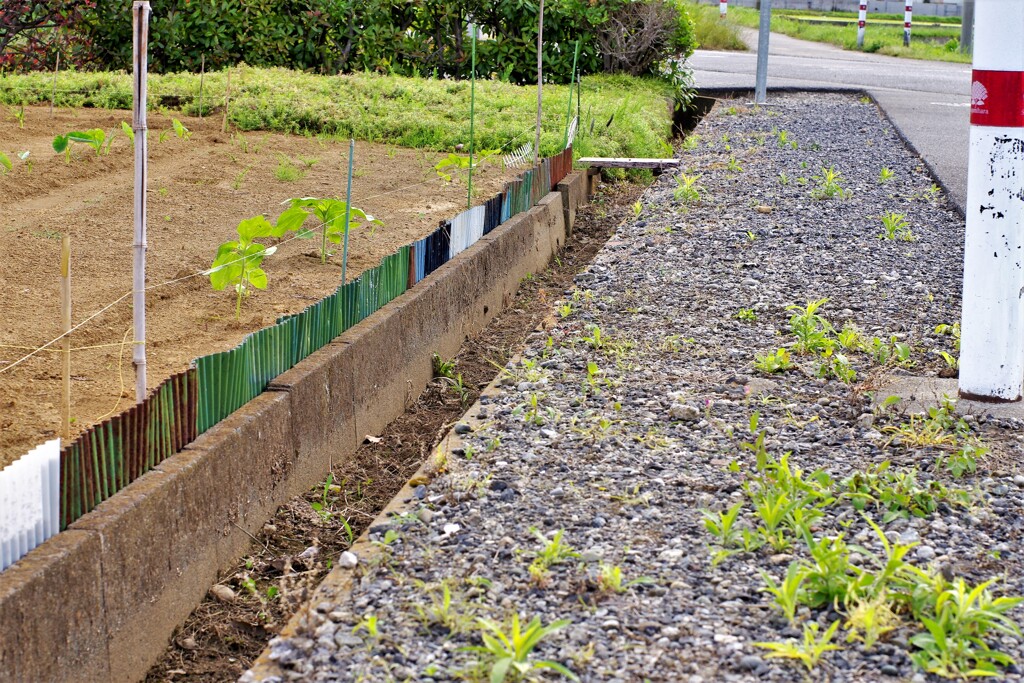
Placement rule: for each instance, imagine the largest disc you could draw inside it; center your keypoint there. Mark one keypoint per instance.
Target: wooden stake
(202, 76)
(65, 321)
(227, 100)
(53, 94)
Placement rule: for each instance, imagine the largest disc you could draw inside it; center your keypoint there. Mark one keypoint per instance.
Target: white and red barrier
(723, 7)
(992, 339)
(908, 15)
(862, 22)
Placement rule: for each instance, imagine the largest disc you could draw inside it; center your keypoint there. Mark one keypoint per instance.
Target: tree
(30, 28)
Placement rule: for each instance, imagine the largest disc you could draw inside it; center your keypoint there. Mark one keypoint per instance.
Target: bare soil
(297, 546)
(198, 191)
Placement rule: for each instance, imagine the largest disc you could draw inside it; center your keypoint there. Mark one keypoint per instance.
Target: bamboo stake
(202, 77)
(227, 101)
(572, 80)
(348, 209)
(140, 12)
(540, 80)
(65, 320)
(53, 93)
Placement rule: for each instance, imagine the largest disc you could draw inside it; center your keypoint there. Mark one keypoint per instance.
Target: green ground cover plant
(621, 116)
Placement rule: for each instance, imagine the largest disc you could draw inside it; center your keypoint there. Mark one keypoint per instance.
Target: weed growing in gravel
(837, 366)
(507, 650)
(368, 624)
(886, 174)
(674, 343)
(610, 579)
(812, 330)
(938, 427)
(868, 619)
(770, 363)
(828, 185)
(747, 315)
(895, 226)
(687, 190)
(788, 594)
(897, 492)
(441, 610)
(961, 617)
(690, 142)
(784, 140)
(810, 651)
(734, 166)
(783, 179)
(722, 525)
(638, 208)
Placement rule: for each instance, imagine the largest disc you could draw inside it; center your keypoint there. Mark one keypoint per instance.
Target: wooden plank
(630, 163)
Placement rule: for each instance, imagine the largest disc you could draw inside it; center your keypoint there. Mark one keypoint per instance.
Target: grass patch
(712, 32)
(930, 39)
(621, 116)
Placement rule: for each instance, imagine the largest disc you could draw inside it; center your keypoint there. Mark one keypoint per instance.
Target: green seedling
(886, 174)
(322, 507)
(953, 646)
(238, 262)
(813, 332)
(442, 367)
(180, 130)
(5, 164)
(610, 579)
(638, 208)
(951, 330)
(368, 624)
(867, 620)
(721, 525)
(810, 651)
(783, 179)
(94, 137)
(828, 185)
(828, 575)
(687, 189)
(770, 363)
(452, 161)
(895, 226)
(507, 651)
(128, 131)
(331, 215)
(286, 171)
(788, 594)
(734, 166)
(837, 366)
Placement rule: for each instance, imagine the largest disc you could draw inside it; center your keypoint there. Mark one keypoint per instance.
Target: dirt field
(199, 189)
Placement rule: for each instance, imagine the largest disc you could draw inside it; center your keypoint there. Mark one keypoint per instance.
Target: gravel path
(627, 418)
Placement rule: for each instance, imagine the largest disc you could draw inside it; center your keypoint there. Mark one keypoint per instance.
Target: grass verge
(884, 33)
(620, 116)
(713, 33)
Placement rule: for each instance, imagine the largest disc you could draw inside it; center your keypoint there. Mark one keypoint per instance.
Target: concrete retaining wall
(100, 601)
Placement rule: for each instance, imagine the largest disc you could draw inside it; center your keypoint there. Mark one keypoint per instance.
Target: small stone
(463, 428)
(761, 208)
(223, 593)
(866, 420)
(549, 434)
(189, 644)
(420, 492)
(425, 515)
(557, 492)
(682, 411)
(598, 522)
(450, 529)
(889, 670)
(348, 560)
(1018, 479)
(750, 663)
(671, 632)
(610, 624)
(925, 553)
(344, 639)
(749, 282)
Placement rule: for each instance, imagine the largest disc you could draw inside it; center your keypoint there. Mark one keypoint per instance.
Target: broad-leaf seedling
(238, 262)
(331, 214)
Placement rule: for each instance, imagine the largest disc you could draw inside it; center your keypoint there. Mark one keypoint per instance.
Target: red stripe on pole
(909, 8)
(906, 24)
(861, 23)
(997, 98)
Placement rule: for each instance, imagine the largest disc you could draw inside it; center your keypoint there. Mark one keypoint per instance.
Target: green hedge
(403, 37)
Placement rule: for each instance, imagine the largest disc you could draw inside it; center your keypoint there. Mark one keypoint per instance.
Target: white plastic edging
(29, 502)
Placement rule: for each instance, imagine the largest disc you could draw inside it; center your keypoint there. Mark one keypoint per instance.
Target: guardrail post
(992, 323)
(862, 22)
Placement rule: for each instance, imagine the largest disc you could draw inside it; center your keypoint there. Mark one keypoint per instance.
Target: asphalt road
(929, 102)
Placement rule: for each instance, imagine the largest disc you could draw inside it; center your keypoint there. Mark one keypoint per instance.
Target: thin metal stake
(53, 94)
(348, 209)
(65, 319)
(140, 25)
(540, 80)
(572, 79)
(472, 116)
(764, 29)
(202, 77)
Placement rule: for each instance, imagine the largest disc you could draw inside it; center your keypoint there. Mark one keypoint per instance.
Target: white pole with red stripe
(862, 21)
(992, 323)
(908, 13)
(723, 7)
